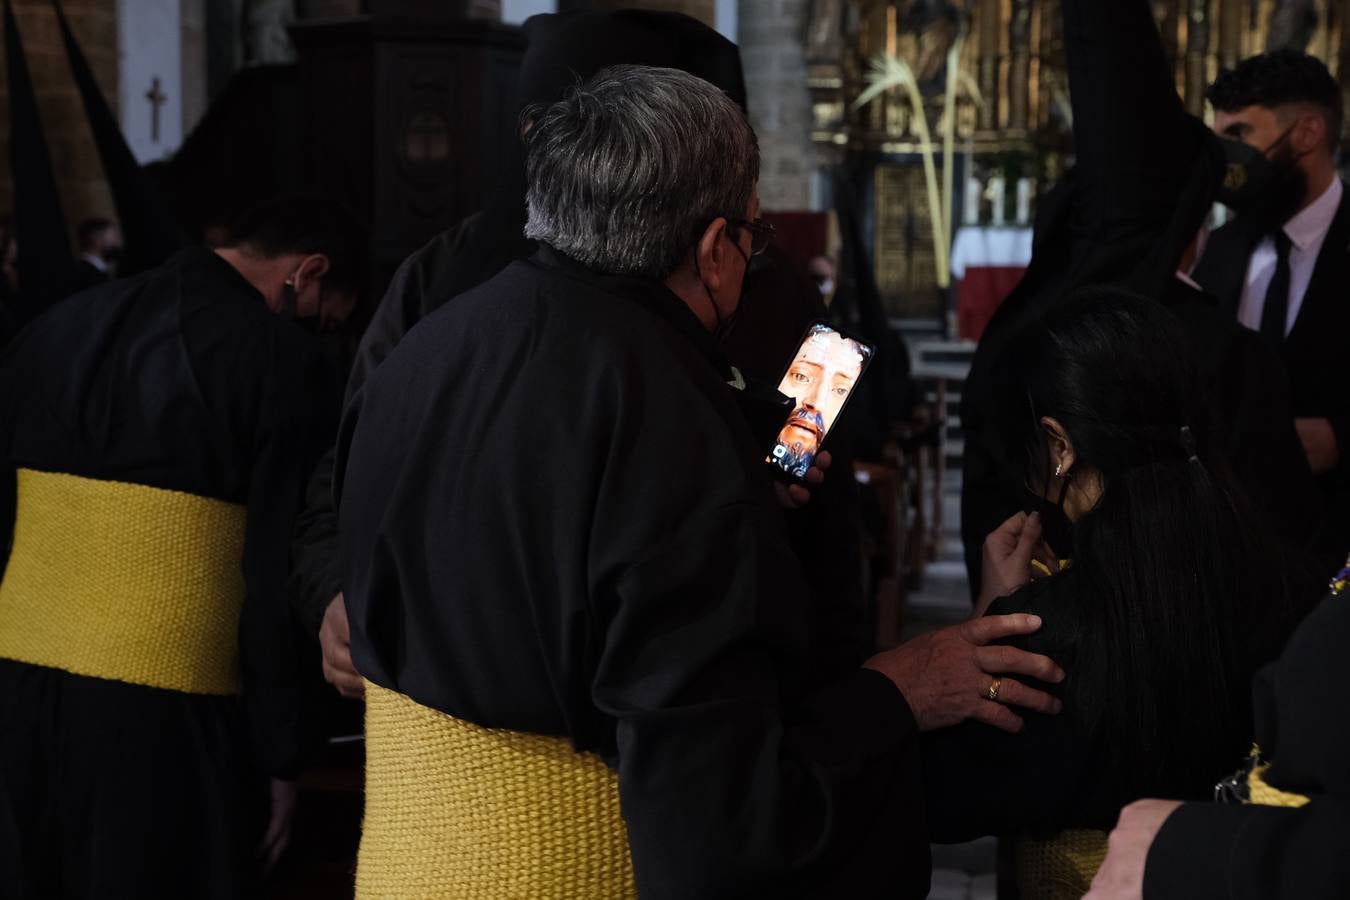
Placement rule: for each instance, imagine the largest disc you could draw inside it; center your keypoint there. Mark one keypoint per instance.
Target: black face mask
(726, 326)
(1056, 529)
(1267, 186)
(290, 303)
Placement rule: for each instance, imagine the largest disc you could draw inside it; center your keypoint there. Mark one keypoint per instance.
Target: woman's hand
(1008, 552)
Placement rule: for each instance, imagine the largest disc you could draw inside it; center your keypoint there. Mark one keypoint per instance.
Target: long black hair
(1175, 586)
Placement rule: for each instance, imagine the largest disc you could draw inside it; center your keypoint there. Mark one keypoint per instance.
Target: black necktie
(1276, 310)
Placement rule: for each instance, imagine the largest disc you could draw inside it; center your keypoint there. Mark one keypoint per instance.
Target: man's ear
(311, 269)
(1309, 134)
(710, 254)
(1062, 455)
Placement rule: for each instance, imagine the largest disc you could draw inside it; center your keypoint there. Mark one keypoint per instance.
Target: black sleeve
(827, 539)
(1255, 424)
(412, 293)
(315, 578)
(979, 780)
(1209, 851)
(1340, 427)
(315, 573)
(731, 785)
(738, 777)
(299, 419)
(9, 487)
(1133, 141)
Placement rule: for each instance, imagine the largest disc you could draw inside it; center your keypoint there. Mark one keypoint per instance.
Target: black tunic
(1209, 851)
(554, 519)
(181, 379)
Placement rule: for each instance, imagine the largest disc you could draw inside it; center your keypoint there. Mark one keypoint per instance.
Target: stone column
(771, 34)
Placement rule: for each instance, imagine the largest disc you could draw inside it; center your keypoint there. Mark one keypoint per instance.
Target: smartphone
(822, 376)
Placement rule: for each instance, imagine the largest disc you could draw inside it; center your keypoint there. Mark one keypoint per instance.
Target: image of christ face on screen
(819, 380)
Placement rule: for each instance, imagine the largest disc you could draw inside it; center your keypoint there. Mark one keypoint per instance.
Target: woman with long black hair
(1167, 598)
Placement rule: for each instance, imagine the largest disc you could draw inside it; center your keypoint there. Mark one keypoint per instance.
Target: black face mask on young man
(290, 302)
(1268, 186)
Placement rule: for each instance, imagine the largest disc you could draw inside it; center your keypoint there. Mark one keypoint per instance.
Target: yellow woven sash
(456, 810)
(1262, 793)
(125, 582)
(1060, 867)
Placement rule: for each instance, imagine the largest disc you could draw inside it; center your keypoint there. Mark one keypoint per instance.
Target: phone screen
(823, 373)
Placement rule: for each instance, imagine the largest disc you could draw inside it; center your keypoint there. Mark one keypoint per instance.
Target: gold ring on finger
(994, 686)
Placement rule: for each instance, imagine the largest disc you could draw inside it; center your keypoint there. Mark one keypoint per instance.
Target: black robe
(182, 379)
(564, 48)
(1208, 851)
(555, 519)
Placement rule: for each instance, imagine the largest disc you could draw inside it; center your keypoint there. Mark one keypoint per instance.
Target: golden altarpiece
(884, 75)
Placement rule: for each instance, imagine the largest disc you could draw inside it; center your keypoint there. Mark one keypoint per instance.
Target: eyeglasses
(761, 234)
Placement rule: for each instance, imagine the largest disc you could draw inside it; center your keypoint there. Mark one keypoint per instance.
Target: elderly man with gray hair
(568, 580)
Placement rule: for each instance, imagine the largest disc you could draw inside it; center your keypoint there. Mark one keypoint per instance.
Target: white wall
(727, 18)
(149, 36)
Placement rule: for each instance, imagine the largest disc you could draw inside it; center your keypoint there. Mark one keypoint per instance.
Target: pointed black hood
(46, 264)
(148, 231)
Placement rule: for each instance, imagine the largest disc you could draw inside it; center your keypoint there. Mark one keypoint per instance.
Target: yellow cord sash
(1060, 867)
(124, 582)
(457, 810)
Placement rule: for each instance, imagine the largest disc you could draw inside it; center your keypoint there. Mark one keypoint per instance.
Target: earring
(1059, 470)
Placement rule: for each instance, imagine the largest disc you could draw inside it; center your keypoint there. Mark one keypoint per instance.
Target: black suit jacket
(1313, 353)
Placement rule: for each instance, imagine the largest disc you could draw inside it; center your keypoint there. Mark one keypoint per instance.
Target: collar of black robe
(203, 268)
(649, 293)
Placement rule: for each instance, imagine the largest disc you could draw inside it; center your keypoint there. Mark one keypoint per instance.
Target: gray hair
(627, 171)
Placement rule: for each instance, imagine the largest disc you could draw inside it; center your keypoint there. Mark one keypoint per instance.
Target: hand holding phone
(820, 380)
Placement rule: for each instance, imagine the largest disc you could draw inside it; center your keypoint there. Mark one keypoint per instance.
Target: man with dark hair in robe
(587, 657)
(158, 431)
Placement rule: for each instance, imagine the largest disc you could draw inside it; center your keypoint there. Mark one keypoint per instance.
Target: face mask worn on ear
(725, 326)
(290, 307)
(1056, 528)
(290, 300)
(1268, 186)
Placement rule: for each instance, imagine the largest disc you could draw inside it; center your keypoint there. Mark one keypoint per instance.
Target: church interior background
(924, 128)
(936, 116)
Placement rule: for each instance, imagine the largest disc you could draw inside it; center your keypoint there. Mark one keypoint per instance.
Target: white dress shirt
(95, 261)
(1307, 231)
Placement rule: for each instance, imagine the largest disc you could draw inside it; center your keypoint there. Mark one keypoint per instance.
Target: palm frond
(968, 84)
(884, 72)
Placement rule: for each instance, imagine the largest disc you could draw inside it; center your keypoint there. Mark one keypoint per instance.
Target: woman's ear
(1060, 446)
